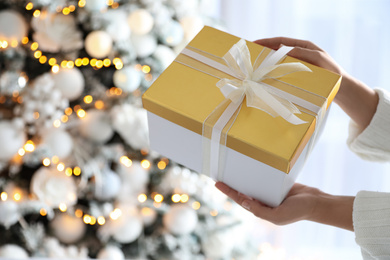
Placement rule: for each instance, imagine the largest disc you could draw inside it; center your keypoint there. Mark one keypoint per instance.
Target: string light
(43, 212)
(101, 220)
(64, 118)
(43, 59)
(81, 113)
(99, 104)
(93, 220)
(72, 8)
(37, 54)
(25, 40)
(161, 165)
(17, 196)
(68, 111)
(14, 43)
(145, 69)
(57, 123)
(61, 167)
(142, 198)
(46, 162)
(176, 198)
(88, 99)
(158, 198)
(125, 161)
(110, 2)
(55, 159)
(85, 61)
(87, 219)
(184, 198)
(145, 164)
(70, 64)
(37, 13)
(107, 62)
(196, 205)
(66, 11)
(64, 64)
(29, 146)
(76, 171)
(78, 213)
(63, 207)
(21, 152)
(68, 171)
(5, 44)
(34, 46)
(29, 6)
(81, 3)
(4, 196)
(55, 68)
(114, 215)
(214, 213)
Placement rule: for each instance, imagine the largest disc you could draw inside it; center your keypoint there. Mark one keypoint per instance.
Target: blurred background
(77, 179)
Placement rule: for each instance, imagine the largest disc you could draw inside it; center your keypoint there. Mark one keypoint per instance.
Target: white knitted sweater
(371, 210)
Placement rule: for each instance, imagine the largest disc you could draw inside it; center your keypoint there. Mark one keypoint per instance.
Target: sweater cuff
(373, 143)
(371, 220)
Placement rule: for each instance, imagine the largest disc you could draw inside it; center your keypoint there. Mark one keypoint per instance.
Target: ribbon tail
(258, 97)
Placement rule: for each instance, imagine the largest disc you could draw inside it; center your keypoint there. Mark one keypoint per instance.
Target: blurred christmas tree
(76, 177)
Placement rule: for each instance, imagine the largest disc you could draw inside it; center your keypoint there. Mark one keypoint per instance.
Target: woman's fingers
(274, 43)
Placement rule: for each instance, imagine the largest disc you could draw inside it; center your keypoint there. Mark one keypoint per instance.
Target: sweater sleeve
(371, 220)
(373, 143)
(371, 210)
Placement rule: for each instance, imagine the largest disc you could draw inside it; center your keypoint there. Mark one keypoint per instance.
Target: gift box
(257, 148)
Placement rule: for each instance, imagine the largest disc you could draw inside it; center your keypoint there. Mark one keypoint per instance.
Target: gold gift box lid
(186, 96)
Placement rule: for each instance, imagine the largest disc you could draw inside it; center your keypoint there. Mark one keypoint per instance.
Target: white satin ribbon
(249, 83)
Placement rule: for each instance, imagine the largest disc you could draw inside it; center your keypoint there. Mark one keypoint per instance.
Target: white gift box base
(244, 174)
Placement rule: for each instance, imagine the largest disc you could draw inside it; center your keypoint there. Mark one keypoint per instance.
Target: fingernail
(246, 205)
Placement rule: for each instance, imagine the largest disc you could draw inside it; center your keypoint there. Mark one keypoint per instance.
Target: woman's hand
(356, 99)
(301, 203)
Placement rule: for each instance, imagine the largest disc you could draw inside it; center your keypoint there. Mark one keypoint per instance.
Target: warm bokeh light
(63, 207)
(43, 212)
(4, 196)
(29, 6)
(78, 213)
(107, 62)
(46, 162)
(184, 198)
(29, 146)
(125, 161)
(55, 159)
(145, 164)
(81, 113)
(214, 213)
(145, 69)
(61, 167)
(93, 220)
(76, 171)
(87, 219)
(55, 68)
(142, 198)
(101, 220)
(81, 3)
(64, 118)
(68, 171)
(37, 13)
(158, 198)
(25, 40)
(17, 196)
(68, 111)
(21, 152)
(66, 11)
(88, 99)
(162, 165)
(99, 104)
(196, 205)
(176, 198)
(115, 214)
(56, 123)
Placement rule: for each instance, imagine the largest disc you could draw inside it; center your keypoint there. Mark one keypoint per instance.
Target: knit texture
(371, 210)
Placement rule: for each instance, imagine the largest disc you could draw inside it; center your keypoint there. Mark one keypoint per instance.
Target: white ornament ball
(10, 251)
(95, 5)
(172, 34)
(180, 219)
(164, 55)
(129, 229)
(108, 186)
(59, 142)
(141, 21)
(9, 213)
(111, 253)
(13, 26)
(98, 44)
(70, 82)
(218, 245)
(68, 229)
(144, 45)
(11, 140)
(96, 126)
(117, 24)
(53, 187)
(128, 79)
(192, 25)
(136, 175)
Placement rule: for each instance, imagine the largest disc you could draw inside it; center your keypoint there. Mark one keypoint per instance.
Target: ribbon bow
(249, 82)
